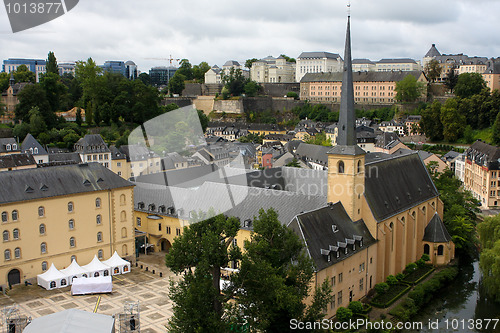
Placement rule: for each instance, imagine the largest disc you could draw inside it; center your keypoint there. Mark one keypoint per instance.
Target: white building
(317, 62)
(363, 65)
(213, 75)
(460, 167)
(403, 64)
(272, 70)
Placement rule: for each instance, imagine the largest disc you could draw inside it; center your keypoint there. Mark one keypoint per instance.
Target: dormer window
(8, 147)
(36, 150)
(152, 207)
(141, 205)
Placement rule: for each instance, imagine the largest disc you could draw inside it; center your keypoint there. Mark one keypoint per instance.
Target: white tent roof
(74, 270)
(52, 274)
(116, 261)
(95, 265)
(72, 321)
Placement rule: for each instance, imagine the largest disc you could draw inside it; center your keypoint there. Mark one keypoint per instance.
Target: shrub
(381, 288)
(292, 94)
(400, 276)
(343, 314)
(411, 267)
(425, 257)
(356, 307)
(391, 280)
(420, 263)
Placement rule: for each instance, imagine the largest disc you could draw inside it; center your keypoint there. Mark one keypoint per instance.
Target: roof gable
(435, 231)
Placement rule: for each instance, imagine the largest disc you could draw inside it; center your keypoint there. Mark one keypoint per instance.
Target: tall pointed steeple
(12, 81)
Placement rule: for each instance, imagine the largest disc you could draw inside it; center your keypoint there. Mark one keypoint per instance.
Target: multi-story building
(213, 75)
(17, 162)
(92, 148)
(272, 70)
(161, 75)
(392, 126)
(66, 68)
(32, 147)
(412, 125)
(473, 65)
(403, 64)
(317, 62)
(131, 161)
(482, 173)
(9, 146)
(369, 87)
(57, 214)
(363, 65)
(460, 167)
(37, 66)
(9, 100)
(492, 74)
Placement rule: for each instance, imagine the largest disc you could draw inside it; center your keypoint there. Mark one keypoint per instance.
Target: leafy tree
(37, 123)
(51, 64)
(453, 121)
(185, 69)
(433, 70)
(356, 307)
(34, 96)
(293, 163)
(409, 89)
(23, 74)
(252, 88)
(234, 81)
(176, 84)
(274, 278)
(469, 84)
(203, 120)
(199, 253)
(292, 94)
(144, 77)
(381, 288)
(431, 121)
(54, 90)
(252, 138)
(249, 62)
(451, 79)
(21, 130)
(200, 70)
(78, 119)
(319, 139)
(489, 234)
(496, 130)
(87, 73)
(287, 58)
(343, 314)
(391, 280)
(4, 81)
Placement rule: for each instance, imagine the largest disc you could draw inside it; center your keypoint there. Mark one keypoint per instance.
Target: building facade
(317, 62)
(272, 70)
(37, 66)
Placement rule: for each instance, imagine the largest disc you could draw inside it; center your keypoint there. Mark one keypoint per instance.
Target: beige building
(92, 148)
(369, 87)
(130, 161)
(363, 65)
(492, 74)
(394, 65)
(9, 100)
(53, 215)
(272, 70)
(482, 173)
(317, 62)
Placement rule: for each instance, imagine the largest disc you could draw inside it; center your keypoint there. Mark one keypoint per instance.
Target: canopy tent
(74, 271)
(92, 285)
(52, 279)
(117, 264)
(97, 268)
(72, 321)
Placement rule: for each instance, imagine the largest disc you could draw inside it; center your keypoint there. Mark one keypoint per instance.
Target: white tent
(52, 279)
(97, 268)
(74, 271)
(117, 264)
(72, 321)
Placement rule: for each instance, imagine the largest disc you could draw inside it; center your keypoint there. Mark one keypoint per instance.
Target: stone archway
(164, 245)
(14, 277)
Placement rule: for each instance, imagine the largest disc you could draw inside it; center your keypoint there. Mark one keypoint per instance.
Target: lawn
(394, 292)
(417, 274)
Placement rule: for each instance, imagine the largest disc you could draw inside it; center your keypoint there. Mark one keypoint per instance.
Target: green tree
(409, 89)
(252, 88)
(203, 120)
(489, 234)
(51, 64)
(200, 70)
(54, 90)
(249, 62)
(21, 130)
(343, 314)
(199, 253)
(37, 123)
(496, 130)
(33, 95)
(433, 70)
(287, 58)
(176, 84)
(469, 84)
(145, 78)
(234, 81)
(185, 69)
(87, 73)
(293, 163)
(274, 278)
(453, 121)
(23, 74)
(451, 79)
(431, 121)
(4, 81)
(78, 118)
(319, 139)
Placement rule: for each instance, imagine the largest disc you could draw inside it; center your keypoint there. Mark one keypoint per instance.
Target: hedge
(416, 277)
(380, 301)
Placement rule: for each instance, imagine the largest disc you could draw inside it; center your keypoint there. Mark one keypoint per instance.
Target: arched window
(391, 225)
(70, 207)
(6, 235)
(106, 273)
(116, 270)
(122, 199)
(5, 216)
(41, 211)
(427, 249)
(63, 282)
(440, 250)
(42, 229)
(17, 252)
(123, 216)
(73, 257)
(341, 166)
(99, 236)
(433, 204)
(44, 266)
(98, 203)
(15, 215)
(124, 250)
(72, 242)
(6, 254)
(100, 254)
(124, 232)
(15, 233)
(71, 224)
(53, 284)
(96, 274)
(359, 166)
(413, 214)
(98, 219)
(423, 210)
(43, 247)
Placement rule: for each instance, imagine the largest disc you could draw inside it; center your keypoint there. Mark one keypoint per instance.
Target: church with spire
(383, 212)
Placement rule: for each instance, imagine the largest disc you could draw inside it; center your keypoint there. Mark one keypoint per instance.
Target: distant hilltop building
(273, 70)
(215, 74)
(161, 75)
(317, 62)
(37, 66)
(127, 69)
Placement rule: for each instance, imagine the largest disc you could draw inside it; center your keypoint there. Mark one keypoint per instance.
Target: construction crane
(169, 59)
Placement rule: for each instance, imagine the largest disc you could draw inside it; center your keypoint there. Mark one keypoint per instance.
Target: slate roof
(396, 184)
(484, 154)
(30, 142)
(116, 154)
(362, 61)
(433, 52)
(16, 160)
(493, 66)
(319, 55)
(67, 158)
(435, 231)
(91, 143)
(136, 152)
(313, 153)
(232, 63)
(393, 76)
(42, 183)
(386, 139)
(450, 156)
(9, 141)
(397, 61)
(316, 229)
(291, 146)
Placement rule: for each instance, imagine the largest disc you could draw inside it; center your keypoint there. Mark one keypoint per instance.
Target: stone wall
(204, 103)
(229, 106)
(279, 89)
(180, 101)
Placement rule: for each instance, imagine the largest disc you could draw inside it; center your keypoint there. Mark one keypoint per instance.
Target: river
(459, 303)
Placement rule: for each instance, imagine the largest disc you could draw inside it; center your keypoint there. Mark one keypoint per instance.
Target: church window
(440, 250)
(341, 167)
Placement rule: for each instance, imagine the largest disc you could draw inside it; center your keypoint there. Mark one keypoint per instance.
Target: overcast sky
(219, 30)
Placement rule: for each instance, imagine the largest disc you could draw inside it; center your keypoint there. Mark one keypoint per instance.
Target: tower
(346, 161)
(12, 81)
